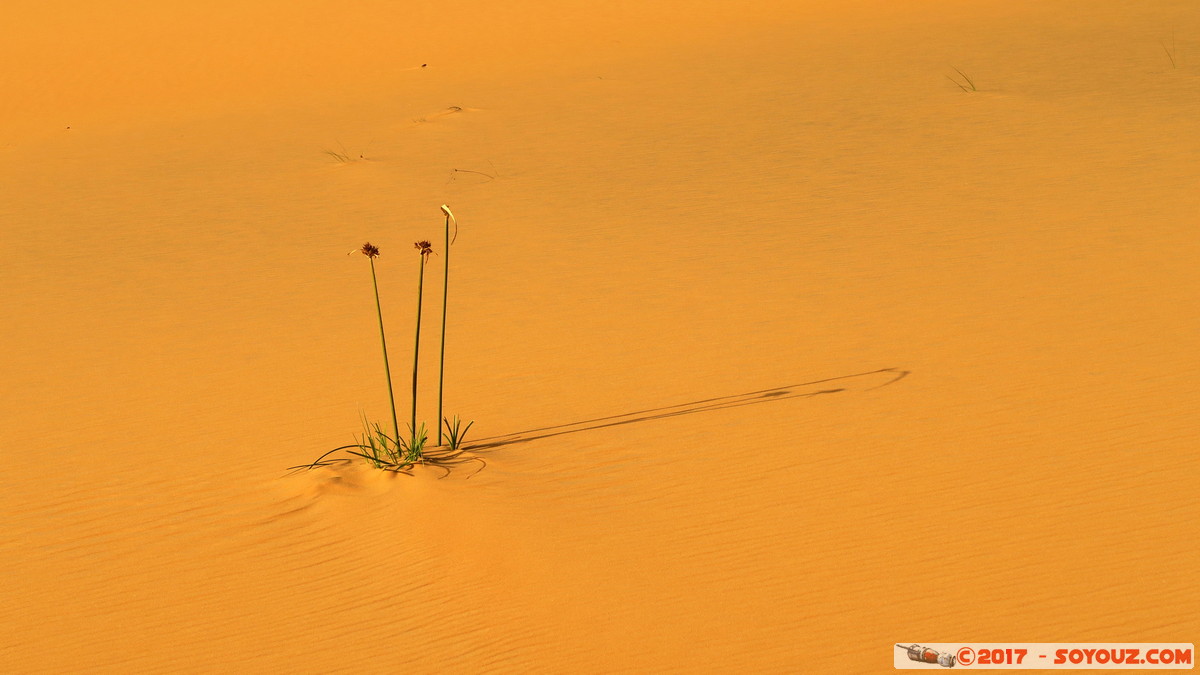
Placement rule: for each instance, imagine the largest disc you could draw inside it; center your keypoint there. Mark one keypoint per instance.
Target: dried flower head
(370, 250)
(425, 247)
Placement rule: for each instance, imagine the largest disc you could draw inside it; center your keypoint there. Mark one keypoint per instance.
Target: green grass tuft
(455, 432)
(377, 447)
(414, 449)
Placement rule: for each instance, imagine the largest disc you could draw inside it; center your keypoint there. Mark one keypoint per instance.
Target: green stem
(445, 293)
(417, 343)
(383, 340)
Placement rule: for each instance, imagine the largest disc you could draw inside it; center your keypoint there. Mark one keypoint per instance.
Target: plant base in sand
(389, 454)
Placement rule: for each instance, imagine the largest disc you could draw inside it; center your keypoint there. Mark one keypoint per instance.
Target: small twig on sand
(1170, 52)
(489, 176)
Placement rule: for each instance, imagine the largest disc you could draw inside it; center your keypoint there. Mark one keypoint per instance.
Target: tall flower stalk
(372, 252)
(425, 249)
(445, 295)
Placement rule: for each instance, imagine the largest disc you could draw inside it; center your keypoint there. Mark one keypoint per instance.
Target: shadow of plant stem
(446, 457)
(894, 375)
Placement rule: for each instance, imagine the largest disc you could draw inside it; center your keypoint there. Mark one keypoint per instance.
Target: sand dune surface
(789, 332)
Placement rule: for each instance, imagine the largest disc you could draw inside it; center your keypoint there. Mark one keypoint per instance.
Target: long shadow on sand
(874, 379)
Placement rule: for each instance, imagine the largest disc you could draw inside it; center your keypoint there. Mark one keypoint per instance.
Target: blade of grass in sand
(445, 295)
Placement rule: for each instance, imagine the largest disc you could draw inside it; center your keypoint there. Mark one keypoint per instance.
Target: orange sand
(784, 210)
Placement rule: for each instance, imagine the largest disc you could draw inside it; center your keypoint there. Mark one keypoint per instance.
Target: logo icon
(927, 655)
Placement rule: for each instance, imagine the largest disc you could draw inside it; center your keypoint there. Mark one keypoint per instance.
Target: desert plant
(395, 452)
(968, 87)
(455, 432)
